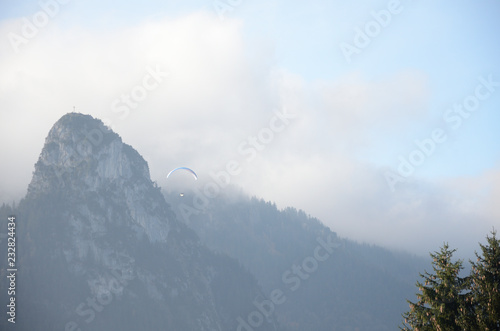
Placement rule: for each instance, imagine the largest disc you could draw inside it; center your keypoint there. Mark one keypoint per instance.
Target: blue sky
(354, 119)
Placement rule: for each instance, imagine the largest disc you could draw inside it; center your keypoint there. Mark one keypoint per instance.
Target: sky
(380, 118)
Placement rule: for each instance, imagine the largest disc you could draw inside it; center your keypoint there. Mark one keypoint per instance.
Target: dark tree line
(448, 302)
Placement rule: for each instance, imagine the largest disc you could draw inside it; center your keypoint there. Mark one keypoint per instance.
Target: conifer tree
(485, 276)
(442, 297)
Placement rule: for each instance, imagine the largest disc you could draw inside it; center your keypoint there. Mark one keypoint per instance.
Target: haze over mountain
(99, 248)
(189, 82)
(353, 287)
(353, 132)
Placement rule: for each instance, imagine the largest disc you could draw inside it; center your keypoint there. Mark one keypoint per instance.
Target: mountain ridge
(358, 287)
(102, 247)
(96, 239)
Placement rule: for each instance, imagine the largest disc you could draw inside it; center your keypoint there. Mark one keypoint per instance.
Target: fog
(289, 99)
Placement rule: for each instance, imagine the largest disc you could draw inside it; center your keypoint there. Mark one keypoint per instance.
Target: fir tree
(485, 284)
(441, 299)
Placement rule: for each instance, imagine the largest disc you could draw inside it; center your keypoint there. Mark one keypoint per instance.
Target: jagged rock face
(80, 152)
(103, 251)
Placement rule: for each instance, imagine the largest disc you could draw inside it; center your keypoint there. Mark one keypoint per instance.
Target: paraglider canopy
(185, 169)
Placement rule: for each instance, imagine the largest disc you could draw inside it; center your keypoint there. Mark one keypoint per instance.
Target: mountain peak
(80, 148)
(79, 129)
(102, 246)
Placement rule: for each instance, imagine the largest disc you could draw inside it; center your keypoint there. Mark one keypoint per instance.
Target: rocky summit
(98, 248)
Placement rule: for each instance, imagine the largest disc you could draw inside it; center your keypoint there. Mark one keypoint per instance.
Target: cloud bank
(193, 91)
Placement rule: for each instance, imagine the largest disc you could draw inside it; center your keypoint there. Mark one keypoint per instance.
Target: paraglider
(184, 168)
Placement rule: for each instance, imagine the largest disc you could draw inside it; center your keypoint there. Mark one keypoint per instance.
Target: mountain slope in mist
(329, 283)
(98, 248)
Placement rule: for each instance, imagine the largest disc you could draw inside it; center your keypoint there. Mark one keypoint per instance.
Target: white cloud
(222, 90)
